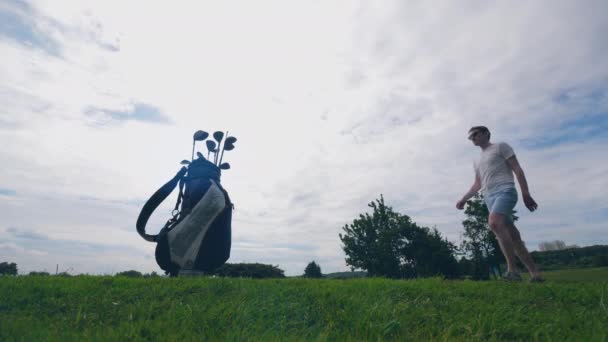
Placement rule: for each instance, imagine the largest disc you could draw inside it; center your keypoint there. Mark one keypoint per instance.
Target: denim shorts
(502, 202)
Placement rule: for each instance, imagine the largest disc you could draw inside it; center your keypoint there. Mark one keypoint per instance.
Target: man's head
(479, 135)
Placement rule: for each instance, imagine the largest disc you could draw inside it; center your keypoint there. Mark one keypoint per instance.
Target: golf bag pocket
(186, 238)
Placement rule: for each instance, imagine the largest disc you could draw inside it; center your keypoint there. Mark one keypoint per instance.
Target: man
(494, 177)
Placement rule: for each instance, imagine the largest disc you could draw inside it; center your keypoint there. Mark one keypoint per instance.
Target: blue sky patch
(583, 128)
(31, 240)
(17, 23)
(7, 192)
(598, 215)
(132, 201)
(26, 234)
(140, 112)
(143, 112)
(590, 123)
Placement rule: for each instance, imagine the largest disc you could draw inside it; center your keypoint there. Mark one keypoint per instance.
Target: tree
(313, 270)
(7, 268)
(130, 274)
(389, 244)
(479, 242)
(255, 270)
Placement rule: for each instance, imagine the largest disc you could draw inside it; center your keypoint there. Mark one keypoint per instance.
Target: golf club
(198, 136)
(228, 146)
(218, 136)
(210, 147)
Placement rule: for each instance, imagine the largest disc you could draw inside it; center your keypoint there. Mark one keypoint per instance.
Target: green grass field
(571, 305)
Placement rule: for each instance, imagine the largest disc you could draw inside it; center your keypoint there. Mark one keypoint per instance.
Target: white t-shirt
(493, 170)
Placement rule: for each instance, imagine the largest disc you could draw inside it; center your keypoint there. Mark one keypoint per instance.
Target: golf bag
(198, 236)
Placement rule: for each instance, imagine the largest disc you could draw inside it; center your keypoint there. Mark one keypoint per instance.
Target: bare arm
(472, 191)
(523, 184)
(519, 173)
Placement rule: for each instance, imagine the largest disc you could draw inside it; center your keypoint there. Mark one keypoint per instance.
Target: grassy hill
(569, 306)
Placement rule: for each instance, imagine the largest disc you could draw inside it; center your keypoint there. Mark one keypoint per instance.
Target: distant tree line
(241, 270)
(591, 256)
(245, 270)
(136, 274)
(555, 245)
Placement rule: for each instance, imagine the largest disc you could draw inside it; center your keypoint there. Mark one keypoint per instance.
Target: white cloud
(333, 104)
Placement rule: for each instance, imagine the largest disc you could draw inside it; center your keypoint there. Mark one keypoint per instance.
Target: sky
(333, 104)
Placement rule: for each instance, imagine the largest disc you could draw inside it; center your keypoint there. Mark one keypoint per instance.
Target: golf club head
(218, 136)
(229, 143)
(225, 166)
(200, 155)
(200, 135)
(210, 145)
(185, 162)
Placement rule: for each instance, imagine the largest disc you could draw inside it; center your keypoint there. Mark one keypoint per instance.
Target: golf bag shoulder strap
(154, 202)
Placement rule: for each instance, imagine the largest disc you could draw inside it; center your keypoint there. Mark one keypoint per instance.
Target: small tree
(389, 244)
(7, 268)
(479, 242)
(313, 270)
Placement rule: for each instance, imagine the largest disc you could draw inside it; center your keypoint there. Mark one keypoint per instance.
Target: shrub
(249, 271)
(130, 274)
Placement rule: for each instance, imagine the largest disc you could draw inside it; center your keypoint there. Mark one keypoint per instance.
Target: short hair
(482, 129)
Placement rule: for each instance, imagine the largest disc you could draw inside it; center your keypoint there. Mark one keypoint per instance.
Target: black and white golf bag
(198, 236)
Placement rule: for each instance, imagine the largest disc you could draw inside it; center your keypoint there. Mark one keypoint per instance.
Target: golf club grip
(154, 201)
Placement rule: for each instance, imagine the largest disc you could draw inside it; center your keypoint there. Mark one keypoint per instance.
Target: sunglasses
(474, 135)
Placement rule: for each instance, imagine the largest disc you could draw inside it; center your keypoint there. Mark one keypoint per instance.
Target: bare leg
(522, 252)
(500, 228)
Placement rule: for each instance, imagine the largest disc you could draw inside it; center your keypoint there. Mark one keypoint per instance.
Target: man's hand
(460, 204)
(529, 202)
